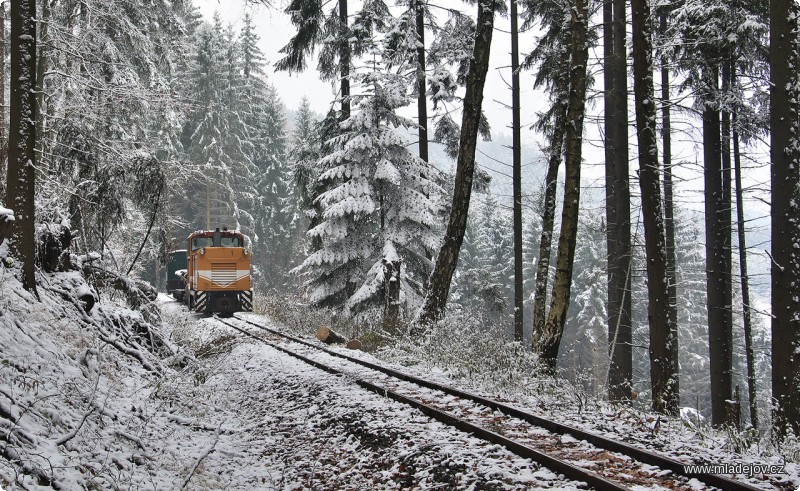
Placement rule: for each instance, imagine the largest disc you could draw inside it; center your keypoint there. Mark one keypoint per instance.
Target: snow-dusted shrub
(466, 349)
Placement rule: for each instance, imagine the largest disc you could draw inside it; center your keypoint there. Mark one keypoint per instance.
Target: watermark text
(746, 469)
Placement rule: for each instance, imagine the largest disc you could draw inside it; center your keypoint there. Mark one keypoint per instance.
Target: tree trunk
(391, 284)
(663, 335)
(547, 341)
(422, 96)
(548, 216)
(41, 67)
(719, 330)
(746, 311)
(22, 136)
(726, 222)
(785, 203)
(344, 59)
(517, 185)
(618, 203)
(442, 275)
(3, 143)
(669, 214)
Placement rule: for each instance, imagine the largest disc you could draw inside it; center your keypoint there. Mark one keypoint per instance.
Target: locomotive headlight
(202, 251)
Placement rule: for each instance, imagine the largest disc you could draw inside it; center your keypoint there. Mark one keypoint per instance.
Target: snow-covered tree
(482, 281)
(375, 204)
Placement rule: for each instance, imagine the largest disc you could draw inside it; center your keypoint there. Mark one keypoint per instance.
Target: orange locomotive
(218, 273)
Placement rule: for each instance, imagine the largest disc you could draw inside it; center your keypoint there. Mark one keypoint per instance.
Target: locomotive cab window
(231, 242)
(200, 242)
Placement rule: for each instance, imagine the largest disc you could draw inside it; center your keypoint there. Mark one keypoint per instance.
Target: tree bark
(726, 221)
(41, 68)
(22, 137)
(442, 274)
(3, 143)
(618, 203)
(422, 96)
(669, 213)
(548, 216)
(391, 283)
(548, 341)
(719, 329)
(344, 59)
(517, 171)
(745, 281)
(663, 335)
(785, 203)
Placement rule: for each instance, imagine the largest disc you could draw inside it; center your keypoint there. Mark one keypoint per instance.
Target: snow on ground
(85, 405)
(106, 400)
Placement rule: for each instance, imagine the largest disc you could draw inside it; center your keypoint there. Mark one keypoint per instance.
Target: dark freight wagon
(176, 273)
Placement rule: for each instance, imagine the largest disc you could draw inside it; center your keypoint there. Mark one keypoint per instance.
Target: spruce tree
(374, 207)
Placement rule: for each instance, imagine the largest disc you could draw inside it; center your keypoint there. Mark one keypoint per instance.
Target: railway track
(601, 462)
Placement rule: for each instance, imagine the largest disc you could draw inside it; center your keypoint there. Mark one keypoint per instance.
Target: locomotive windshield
(231, 242)
(200, 242)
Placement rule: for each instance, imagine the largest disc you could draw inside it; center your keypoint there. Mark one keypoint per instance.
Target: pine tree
(304, 154)
(374, 207)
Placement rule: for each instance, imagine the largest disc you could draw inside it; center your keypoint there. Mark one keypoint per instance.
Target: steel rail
(569, 471)
(639, 454)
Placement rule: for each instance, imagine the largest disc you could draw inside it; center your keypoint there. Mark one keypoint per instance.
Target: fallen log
(328, 336)
(353, 344)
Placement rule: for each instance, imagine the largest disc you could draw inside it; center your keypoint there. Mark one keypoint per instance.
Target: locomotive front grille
(223, 274)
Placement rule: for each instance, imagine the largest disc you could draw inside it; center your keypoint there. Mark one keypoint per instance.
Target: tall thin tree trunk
(422, 96)
(3, 143)
(745, 281)
(548, 341)
(663, 336)
(41, 67)
(669, 212)
(784, 103)
(556, 150)
(422, 91)
(344, 59)
(618, 205)
(22, 137)
(725, 219)
(442, 275)
(517, 185)
(719, 331)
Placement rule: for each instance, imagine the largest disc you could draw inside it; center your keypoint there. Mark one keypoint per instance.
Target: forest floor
(108, 400)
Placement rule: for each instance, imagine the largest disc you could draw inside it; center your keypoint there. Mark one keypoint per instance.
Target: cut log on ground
(353, 344)
(328, 336)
